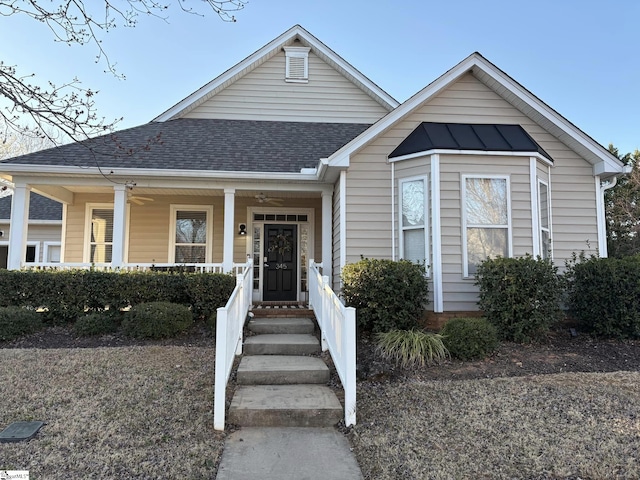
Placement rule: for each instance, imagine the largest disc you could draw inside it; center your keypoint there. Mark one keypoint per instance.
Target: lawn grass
(146, 412)
(573, 425)
(131, 412)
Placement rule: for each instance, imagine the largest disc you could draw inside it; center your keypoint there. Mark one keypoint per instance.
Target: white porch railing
(135, 267)
(229, 324)
(338, 332)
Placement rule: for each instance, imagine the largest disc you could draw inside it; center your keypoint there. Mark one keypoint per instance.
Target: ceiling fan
(138, 200)
(262, 198)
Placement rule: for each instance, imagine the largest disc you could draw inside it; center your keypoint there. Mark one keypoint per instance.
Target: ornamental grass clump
(411, 348)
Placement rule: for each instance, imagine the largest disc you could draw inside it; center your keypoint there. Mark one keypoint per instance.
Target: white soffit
(265, 53)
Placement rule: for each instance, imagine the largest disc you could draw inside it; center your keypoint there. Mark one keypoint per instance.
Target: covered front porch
(204, 224)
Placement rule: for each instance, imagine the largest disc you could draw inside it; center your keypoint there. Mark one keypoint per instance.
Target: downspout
(602, 232)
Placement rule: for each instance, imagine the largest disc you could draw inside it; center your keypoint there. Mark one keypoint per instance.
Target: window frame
(174, 209)
(424, 227)
(466, 225)
(547, 229)
(46, 254)
(89, 207)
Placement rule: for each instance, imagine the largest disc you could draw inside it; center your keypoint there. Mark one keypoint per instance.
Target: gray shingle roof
(206, 144)
(40, 208)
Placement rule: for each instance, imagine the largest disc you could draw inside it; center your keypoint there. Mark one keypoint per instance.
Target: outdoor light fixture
(242, 229)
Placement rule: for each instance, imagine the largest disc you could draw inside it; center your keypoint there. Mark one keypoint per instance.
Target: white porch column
(229, 228)
(327, 235)
(119, 225)
(18, 226)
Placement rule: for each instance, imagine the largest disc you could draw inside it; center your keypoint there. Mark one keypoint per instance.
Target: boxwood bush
(469, 338)
(604, 295)
(97, 323)
(16, 322)
(157, 320)
(388, 295)
(67, 295)
(520, 296)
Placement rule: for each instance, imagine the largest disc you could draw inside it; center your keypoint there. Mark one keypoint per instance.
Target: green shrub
(388, 295)
(411, 348)
(206, 292)
(520, 296)
(17, 321)
(97, 323)
(469, 338)
(604, 295)
(157, 320)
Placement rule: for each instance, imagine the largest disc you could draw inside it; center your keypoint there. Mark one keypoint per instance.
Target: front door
(281, 261)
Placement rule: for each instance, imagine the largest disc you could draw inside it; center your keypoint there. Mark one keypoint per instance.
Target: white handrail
(229, 324)
(338, 334)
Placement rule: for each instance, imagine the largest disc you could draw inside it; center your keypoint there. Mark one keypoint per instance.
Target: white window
(296, 64)
(191, 234)
(486, 220)
(52, 252)
(545, 219)
(413, 215)
(33, 252)
(101, 234)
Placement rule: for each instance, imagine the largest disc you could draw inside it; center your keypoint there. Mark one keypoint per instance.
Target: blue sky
(582, 57)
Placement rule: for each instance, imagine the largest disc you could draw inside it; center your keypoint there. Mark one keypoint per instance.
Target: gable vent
(297, 64)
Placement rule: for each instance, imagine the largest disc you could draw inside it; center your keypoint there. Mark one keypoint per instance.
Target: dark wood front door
(280, 268)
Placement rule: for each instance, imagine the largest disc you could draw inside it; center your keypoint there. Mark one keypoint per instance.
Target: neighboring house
(294, 155)
(44, 234)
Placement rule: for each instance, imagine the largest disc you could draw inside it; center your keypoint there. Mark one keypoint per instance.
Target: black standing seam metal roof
(205, 144)
(468, 136)
(40, 208)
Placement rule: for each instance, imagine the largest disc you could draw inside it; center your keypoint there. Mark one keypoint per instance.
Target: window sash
(191, 234)
(486, 233)
(101, 234)
(413, 205)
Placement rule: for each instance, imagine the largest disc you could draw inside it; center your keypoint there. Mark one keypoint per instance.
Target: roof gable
(603, 162)
(295, 35)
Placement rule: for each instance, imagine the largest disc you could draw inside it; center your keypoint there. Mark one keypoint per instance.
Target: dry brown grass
(131, 412)
(574, 425)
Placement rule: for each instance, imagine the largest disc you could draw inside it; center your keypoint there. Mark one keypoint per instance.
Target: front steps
(279, 385)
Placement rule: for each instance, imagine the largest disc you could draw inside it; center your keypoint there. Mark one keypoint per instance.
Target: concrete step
(285, 406)
(281, 370)
(281, 325)
(281, 344)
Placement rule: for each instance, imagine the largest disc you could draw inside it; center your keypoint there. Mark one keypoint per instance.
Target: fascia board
(341, 156)
(21, 170)
(546, 112)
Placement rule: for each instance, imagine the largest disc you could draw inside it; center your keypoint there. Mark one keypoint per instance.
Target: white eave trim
(438, 151)
(479, 66)
(267, 51)
(157, 172)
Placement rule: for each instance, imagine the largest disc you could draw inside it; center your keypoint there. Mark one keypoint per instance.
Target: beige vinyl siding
(336, 246)
(573, 194)
(263, 94)
(149, 226)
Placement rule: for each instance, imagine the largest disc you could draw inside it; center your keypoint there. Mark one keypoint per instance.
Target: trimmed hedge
(68, 295)
(157, 320)
(17, 321)
(604, 295)
(388, 295)
(97, 323)
(469, 338)
(520, 296)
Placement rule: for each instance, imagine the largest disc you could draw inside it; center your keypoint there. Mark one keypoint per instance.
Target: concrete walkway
(288, 453)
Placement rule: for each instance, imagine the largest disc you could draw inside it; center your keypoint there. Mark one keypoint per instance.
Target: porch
(197, 226)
